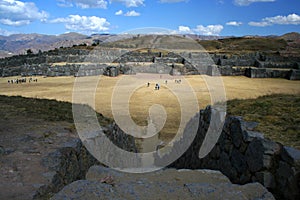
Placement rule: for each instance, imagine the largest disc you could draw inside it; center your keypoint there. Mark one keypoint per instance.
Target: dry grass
(143, 97)
(238, 45)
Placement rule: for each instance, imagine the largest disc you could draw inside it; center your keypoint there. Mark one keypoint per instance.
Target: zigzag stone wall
(98, 62)
(246, 156)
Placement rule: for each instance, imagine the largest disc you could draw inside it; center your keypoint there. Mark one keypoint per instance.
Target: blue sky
(202, 17)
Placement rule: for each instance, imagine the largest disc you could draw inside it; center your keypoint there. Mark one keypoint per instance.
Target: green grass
(278, 116)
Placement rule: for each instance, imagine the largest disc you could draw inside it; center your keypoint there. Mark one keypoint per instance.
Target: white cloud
(119, 12)
(129, 3)
(84, 4)
(17, 13)
(14, 23)
(172, 1)
(248, 2)
(6, 32)
(261, 24)
(132, 14)
(184, 29)
(209, 30)
(292, 19)
(84, 24)
(200, 29)
(234, 23)
(64, 3)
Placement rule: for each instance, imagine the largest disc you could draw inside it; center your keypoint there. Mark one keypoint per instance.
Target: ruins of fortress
(112, 62)
(241, 153)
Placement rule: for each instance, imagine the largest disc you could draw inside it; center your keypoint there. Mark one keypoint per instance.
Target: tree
(29, 51)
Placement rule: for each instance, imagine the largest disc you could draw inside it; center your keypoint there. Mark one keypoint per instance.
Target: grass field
(143, 97)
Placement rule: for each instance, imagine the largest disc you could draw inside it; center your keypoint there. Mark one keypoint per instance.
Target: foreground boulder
(105, 183)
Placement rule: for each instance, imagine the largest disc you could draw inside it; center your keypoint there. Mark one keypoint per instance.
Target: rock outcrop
(245, 156)
(105, 183)
(241, 153)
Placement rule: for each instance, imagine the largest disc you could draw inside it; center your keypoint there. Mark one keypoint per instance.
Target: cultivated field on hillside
(143, 97)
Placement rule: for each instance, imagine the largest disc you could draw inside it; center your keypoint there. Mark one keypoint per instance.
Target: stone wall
(72, 161)
(257, 59)
(65, 165)
(98, 62)
(246, 156)
(121, 139)
(266, 73)
(294, 74)
(231, 71)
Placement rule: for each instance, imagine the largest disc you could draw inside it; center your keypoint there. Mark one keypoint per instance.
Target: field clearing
(141, 98)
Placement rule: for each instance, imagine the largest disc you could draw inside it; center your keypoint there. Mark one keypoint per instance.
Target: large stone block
(258, 155)
(238, 161)
(104, 183)
(266, 179)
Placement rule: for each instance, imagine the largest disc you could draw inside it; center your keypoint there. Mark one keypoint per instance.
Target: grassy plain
(266, 111)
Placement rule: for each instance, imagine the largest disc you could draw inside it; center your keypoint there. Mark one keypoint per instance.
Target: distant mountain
(19, 43)
(206, 37)
(291, 36)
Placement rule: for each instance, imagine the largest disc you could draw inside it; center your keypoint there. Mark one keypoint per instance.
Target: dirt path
(24, 141)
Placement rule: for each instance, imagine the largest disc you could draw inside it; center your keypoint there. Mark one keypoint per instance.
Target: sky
(201, 17)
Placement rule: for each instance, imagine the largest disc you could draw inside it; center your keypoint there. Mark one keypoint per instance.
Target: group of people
(157, 86)
(21, 80)
(178, 81)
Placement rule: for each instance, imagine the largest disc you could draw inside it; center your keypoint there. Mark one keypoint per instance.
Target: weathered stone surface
(84, 189)
(284, 170)
(292, 156)
(228, 191)
(248, 136)
(249, 125)
(227, 167)
(183, 63)
(266, 178)
(266, 73)
(40, 157)
(259, 154)
(35, 168)
(163, 184)
(256, 157)
(293, 75)
(236, 132)
(238, 161)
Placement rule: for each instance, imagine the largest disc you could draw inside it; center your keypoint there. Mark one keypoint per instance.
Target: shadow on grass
(278, 115)
(49, 110)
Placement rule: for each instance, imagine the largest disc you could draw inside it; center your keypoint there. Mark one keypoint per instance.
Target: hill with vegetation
(19, 43)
